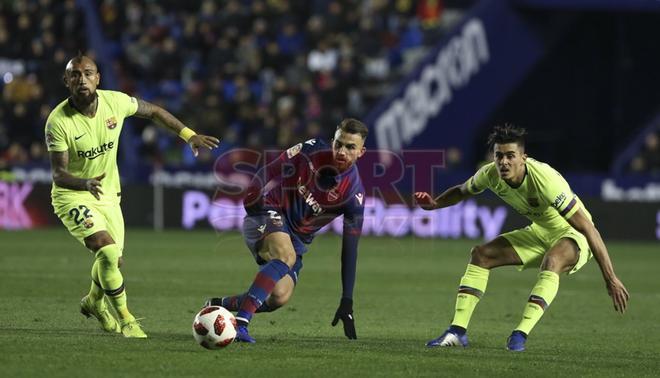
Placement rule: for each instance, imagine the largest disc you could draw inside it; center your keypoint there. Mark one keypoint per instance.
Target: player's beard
(83, 101)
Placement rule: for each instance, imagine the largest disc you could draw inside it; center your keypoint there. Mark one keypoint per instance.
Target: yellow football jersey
(544, 196)
(91, 142)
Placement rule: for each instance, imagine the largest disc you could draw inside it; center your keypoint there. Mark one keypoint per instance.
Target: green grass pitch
(404, 296)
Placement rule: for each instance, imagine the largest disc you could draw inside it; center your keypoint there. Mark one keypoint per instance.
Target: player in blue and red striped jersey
(287, 203)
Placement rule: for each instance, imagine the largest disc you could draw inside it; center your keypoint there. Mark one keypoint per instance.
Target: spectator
(648, 159)
(258, 71)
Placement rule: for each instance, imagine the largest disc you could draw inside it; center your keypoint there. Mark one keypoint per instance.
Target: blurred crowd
(647, 159)
(257, 73)
(36, 40)
(264, 73)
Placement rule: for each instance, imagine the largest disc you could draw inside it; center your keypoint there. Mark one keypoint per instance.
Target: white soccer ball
(214, 327)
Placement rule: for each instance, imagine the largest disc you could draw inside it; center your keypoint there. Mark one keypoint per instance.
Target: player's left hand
(197, 141)
(345, 313)
(619, 294)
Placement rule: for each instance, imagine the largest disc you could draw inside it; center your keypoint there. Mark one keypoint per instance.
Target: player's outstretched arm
(450, 197)
(165, 119)
(59, 162)
(353, 220)
(348, 269)
(615, 287)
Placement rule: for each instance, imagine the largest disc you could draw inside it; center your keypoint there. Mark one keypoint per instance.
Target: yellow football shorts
(84, 217)
(532, 242)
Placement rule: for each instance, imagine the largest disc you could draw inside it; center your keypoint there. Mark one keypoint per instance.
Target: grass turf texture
(404, 296)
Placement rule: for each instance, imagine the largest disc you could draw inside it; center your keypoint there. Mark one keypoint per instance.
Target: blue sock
(233, 303)
(263, 285)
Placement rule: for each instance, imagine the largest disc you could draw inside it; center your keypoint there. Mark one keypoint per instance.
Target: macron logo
(360, 198)
(95, 152)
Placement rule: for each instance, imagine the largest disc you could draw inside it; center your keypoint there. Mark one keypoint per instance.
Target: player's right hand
(619, 294)
(425, 200)
(345, 314)
(93, 186)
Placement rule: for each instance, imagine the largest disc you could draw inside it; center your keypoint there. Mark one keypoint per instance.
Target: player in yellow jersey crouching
(561, 238)
(82, 136)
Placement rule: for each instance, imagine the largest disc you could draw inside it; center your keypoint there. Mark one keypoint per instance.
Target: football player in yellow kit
(561, 238)
(82, 136)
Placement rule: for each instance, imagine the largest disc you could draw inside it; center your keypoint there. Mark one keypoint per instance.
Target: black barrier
(27, 205)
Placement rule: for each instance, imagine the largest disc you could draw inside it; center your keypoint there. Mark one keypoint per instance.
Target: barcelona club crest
(533, 202)
(88, 222)
(111, 123)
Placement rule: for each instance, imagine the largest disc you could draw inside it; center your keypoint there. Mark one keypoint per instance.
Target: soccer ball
(214, 327)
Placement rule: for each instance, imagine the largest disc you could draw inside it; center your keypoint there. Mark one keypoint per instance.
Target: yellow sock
(95, 289)
(471, 289)
(542, 295)
(119, 303)
(112, 280)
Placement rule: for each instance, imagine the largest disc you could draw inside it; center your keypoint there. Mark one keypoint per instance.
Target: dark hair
(508, 133)
(353, 126)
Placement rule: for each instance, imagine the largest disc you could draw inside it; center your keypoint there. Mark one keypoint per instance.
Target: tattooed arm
(59, 162)
(165, 119)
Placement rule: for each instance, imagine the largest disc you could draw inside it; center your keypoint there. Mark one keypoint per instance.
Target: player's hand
(93, 186)
(345, 313)
(619, 294)
(197, 141)
(425, 201)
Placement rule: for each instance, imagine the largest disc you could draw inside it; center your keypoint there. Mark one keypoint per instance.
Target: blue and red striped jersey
(305, 187)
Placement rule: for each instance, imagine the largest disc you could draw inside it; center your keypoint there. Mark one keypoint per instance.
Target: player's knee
(287, 256)
(109, 257)
(557, 263)
(98, 241)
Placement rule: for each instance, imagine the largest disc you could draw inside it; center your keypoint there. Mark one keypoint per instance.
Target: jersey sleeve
(353, 219)
(556, 191)
(305, 149)
(125, 104)
(289, 157)
(55, 137)
(481, 180)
